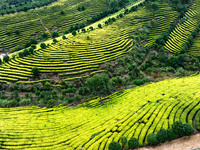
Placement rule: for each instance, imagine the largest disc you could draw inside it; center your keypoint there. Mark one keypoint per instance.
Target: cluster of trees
(177, 130)
(29, 43)
(132, 144)
(102, 15)
(73, 29)
(26, 52)
(12, 6)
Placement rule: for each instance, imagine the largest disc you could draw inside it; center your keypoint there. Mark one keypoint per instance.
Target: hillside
(156, 105)
(98, 74)
(17, 29)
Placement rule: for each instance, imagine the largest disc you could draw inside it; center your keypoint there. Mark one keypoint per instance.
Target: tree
(36, 71)
(98, 82)
(99, 26)
(73, 32)
(123, 141)
(55, 41)
(133, 143)
(64, 37)
(6, 58)
(152, 140)
(162, 136)
(26, 52)
(33, 41)
(43, 45)
(83, 30)
(153, 7)
(114, 146)
(55, 34)
(106, 22)
(31, 50)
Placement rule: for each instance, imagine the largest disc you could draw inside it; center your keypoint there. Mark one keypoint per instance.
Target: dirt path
(44, 25)
(185, 143)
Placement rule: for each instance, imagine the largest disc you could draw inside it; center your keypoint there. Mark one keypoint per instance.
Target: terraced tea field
(183, 30)
(163, 22)
(93, 125)
(195, 48)
(29, 24)
(72, 57)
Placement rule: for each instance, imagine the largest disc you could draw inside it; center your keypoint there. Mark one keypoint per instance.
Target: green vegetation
(94, 85)
(96, 123)
(28, 24)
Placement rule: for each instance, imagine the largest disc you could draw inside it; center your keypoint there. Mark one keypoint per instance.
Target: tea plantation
(94, 124)
(98, 74)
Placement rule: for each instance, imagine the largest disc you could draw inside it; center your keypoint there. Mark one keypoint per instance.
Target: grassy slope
(71, 128)
(29, 24)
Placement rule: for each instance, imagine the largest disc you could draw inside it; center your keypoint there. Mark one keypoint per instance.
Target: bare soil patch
(185, 143)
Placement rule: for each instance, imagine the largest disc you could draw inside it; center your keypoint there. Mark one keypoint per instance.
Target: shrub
(62, 12)
(25, 101)
(188, 130)
(33, 41)
(133, 143)
(98, 82)
(170, 135)
(138, 82)
(33, 46)
(55, 34)
(26, 52)
(152, 140)
(6, 58)
(36, 71)
(31, 50)
(21, 54)
(73, 32)
(43, 45)
(99, 26)
(44, 35)
(47, 86)
(64, 37)
(162, 136)
(66, 32)
(178, 129)
(17, 32)
(114, 146)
